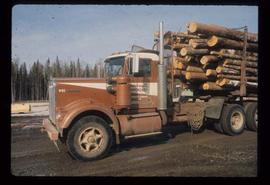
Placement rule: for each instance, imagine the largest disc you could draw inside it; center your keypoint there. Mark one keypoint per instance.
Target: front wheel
(233, 119)
(89, 139)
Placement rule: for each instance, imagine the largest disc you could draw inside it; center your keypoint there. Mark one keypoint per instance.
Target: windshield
(114, 66)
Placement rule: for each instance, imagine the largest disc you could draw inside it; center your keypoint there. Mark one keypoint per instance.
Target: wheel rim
(90, 139)
(256, 118)
(237, 120)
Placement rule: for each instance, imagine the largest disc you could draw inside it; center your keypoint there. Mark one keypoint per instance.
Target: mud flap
(214, 107)
(196, 117)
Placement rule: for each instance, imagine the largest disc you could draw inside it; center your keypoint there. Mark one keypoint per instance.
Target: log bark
(211, 86)
(211, 29)
(190, 51)
(252, 59)
(198, 43)
(190, 59)
(194, 69)
(210, 66)
(211, 73)
(224, 70)
(238, 52)
(209, 58)
(185, 35)
(233, 77)
(250, 70)
(219, 42)
(181, 66)
(180, 59)
(196, 76)
(239, 62)
(177, 73)
(235, 83)
(179, 45)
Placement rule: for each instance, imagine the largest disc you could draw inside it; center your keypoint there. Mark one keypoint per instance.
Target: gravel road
(177, 152)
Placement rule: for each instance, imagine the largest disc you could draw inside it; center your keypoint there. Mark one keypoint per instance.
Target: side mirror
(135, 64)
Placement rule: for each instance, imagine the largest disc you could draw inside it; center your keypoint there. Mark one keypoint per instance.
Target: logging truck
(141, 93)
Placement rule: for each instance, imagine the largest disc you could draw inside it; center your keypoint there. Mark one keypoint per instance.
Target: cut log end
(192, 27)
(206, 86)
(188, 75)
(212, 41)
(183, 51)
(211, 86)
(223, 82)
(219, 69)
(211, 72)
(204, 60)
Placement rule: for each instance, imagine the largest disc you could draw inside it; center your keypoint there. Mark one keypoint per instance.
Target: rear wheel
(233, 119)
(218, 127)
(251, 115)
(89, 139)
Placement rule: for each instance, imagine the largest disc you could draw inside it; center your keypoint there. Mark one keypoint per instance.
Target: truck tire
(233, 119)
(218, 128)
(251, 116)
(90, 138)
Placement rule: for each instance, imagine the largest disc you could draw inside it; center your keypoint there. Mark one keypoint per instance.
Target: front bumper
(50, 129)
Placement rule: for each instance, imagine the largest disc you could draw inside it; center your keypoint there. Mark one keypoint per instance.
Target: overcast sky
(91, 32)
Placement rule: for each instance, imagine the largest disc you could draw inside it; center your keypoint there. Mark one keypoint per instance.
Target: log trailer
(138, 96)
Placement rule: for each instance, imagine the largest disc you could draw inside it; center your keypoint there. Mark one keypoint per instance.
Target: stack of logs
(210, 56)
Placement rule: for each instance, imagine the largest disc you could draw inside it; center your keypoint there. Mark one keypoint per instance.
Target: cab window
(144, 68)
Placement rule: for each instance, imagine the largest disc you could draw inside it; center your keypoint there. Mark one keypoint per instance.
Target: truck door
(143, 84)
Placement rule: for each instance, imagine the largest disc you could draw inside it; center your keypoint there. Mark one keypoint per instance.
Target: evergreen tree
(87, 71)
(78, 68)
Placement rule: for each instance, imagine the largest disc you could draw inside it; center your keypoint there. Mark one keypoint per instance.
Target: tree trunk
(181, 59)
(238, 63)
(190, 51)
(225, 70)
(211, 86)
(233, 77)
(238, 52)
(196, 76)
(179, 45)
(252, 59)
(235, 83)
(211, 73)
(211, 29)
(194, 69)
(198, 43)
(178, 65)
(208, 59)
(251, 70)
(219, 42)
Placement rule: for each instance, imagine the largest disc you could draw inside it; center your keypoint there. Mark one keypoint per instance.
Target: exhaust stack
(162, 69)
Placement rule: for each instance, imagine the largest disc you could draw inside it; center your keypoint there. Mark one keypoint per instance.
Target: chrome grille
(52, 101)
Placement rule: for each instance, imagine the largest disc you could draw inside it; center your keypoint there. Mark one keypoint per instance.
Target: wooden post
(243, 88)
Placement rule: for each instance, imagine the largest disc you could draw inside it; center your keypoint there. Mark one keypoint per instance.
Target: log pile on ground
(211, 56)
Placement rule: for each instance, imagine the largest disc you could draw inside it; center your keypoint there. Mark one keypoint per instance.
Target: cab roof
(153, 56)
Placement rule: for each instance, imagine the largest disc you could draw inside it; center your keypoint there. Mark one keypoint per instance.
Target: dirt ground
(176, 152)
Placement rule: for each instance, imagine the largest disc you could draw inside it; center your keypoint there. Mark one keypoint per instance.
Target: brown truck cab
(137, 97)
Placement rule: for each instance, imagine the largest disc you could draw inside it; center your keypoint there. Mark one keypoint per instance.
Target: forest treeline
(32, 83)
